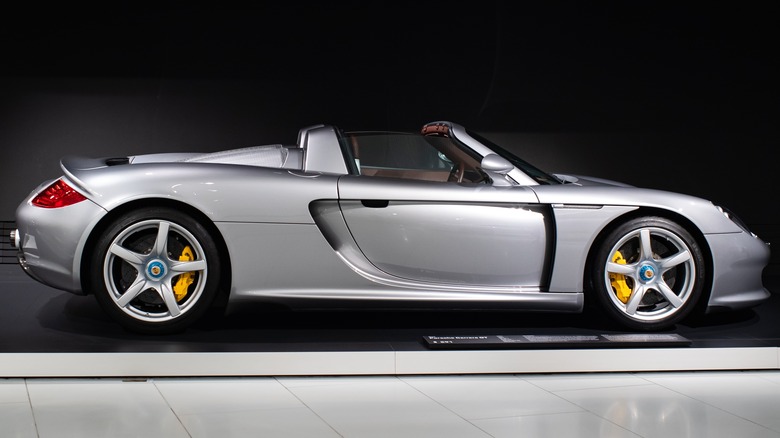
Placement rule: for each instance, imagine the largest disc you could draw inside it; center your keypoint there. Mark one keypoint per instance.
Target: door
(448, 233)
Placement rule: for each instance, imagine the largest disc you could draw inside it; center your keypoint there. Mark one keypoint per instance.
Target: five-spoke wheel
(648, 273)
(155, 270)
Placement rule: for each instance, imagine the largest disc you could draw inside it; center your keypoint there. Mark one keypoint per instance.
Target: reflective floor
(670, 404)
(736, 401)
(38, 319)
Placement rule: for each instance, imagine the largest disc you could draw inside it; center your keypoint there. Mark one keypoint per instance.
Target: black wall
(672, 95)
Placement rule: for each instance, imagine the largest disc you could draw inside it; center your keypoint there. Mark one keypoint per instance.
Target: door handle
(375, 203)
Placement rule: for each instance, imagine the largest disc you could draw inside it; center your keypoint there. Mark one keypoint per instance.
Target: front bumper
(738, 265)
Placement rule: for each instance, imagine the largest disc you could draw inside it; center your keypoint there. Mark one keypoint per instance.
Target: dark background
(680, 96)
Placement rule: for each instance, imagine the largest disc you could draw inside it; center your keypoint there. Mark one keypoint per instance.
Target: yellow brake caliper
(618, 281)
(185, 279)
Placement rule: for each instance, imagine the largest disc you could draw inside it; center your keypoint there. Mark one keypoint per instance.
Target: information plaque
(556, 341)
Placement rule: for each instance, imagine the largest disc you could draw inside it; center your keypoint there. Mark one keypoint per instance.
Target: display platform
(46, 332)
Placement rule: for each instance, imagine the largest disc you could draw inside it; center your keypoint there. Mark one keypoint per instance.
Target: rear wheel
(648, 273)
(155, 271)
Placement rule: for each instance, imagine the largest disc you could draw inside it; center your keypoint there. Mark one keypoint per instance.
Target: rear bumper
(51, 242)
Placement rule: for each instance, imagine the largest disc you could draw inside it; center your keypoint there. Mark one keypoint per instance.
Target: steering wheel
(456, 174)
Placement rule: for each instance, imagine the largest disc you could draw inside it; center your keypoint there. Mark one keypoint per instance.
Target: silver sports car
(442, 217)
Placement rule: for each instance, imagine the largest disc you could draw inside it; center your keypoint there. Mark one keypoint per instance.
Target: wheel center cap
(155, 269)
(646, 273)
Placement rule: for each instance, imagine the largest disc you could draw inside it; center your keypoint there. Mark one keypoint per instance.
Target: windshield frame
(529, 169)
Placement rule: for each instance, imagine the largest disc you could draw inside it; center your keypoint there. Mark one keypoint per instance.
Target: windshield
(534, 172)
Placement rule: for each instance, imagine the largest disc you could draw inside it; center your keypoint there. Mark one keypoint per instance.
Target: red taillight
(57, 195)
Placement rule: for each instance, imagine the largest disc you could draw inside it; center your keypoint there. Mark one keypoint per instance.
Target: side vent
(117, 161)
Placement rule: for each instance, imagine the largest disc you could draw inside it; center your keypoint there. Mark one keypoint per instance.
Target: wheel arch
(681, 220)
(102, 225)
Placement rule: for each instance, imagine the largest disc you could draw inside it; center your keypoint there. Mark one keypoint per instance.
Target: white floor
(646, 404)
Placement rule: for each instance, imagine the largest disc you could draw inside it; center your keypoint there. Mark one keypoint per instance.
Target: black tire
(648, 274)
(166, 260)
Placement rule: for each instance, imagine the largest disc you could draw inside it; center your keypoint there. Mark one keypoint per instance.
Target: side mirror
(497, 164)
(496, 167)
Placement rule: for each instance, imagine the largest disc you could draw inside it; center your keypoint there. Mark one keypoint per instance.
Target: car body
(442, 217)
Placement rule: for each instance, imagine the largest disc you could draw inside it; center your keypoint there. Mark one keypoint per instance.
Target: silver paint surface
(298, 226)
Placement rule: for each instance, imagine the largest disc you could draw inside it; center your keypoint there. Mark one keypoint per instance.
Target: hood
(589, 180)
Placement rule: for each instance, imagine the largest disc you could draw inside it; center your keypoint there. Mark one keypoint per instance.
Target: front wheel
(155, 271)
(648, 273)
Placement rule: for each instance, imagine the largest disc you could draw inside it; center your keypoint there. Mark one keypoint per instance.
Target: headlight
(736, 219)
